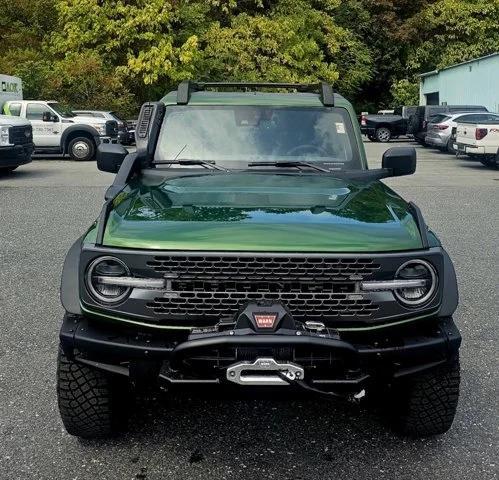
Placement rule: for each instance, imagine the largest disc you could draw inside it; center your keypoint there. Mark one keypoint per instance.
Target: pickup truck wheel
(426, 404)
(490, 161)
(92, 404)
(383, 134)
(81, 149)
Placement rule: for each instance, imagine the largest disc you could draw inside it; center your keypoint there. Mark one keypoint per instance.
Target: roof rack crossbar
(324, 89)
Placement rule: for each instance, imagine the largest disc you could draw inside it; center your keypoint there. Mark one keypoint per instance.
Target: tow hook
(349, 397)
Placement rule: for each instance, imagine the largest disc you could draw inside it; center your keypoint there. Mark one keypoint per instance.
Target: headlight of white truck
(4, 135)
(100, 127)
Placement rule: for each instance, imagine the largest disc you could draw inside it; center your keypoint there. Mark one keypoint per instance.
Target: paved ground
(45, 205)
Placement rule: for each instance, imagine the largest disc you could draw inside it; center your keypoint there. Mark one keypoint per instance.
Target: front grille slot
(20, 135)
(209, 287)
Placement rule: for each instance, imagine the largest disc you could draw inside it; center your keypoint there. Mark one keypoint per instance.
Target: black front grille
(211, 287)
(111, 128)
(21, 135)
(206, 267)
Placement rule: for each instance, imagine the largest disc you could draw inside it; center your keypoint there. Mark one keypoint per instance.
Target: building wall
(471, 83)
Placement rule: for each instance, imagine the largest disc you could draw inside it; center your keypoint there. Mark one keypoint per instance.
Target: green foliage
(118, 53)
(405, 92)
(453, 31)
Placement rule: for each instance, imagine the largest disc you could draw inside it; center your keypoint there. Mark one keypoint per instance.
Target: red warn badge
(265, 320)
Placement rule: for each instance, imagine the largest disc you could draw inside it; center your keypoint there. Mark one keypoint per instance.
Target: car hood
(260, 212)
(12, 120)
(87, 119)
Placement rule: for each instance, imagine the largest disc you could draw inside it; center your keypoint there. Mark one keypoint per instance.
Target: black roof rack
(324, 89)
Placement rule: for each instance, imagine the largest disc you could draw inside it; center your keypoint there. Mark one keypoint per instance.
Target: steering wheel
(307, 148)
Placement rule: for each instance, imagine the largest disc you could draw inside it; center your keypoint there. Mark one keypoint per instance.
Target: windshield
(439, 118)
(62, 111)
(117, 117)
(235, 136)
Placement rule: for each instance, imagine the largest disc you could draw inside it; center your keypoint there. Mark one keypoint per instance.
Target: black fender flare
(450, 291)
(74, 129)
(70, 280)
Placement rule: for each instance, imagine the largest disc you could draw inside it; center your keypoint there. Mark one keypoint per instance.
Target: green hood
(260, 212)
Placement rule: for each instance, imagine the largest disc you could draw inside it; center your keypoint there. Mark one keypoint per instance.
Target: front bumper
(106, 139)
(329, 359)
(469, 149)
(13, 156)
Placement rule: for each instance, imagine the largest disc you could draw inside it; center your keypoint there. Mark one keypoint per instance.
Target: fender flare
(77, 128)
(70, 279)
(450, 298)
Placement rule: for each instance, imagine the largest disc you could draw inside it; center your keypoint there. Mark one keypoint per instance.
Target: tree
(292, 42)
(453, 31)
(405, 92)
(138, 38)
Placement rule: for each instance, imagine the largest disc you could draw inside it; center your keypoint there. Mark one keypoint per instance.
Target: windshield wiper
(202, 163)
(288, 164)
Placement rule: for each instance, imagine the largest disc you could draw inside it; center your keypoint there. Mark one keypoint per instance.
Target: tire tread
(86, 400)
(428, 402)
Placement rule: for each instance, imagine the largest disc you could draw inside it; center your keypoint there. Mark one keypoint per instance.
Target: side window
(466, 119)
(14, 109)
(34, 111)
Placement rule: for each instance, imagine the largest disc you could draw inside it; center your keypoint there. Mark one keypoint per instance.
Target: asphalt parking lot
(44, 206)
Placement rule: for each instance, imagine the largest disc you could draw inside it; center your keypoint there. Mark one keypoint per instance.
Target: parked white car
(479, 140)
(440, 127)
(59, 130)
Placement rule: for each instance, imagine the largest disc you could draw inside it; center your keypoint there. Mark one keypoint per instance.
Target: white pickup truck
(479, 140)
(16, 139)
(59, 130)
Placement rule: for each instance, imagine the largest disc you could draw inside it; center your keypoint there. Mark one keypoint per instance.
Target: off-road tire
(383, 134)
(81, 149)
(92, 404)
(425, 405)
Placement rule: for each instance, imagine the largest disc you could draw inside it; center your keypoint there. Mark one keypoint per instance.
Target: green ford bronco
(246, 243)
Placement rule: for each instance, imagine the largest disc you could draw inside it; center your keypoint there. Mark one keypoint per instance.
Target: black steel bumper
(15, 155)
(391, 355)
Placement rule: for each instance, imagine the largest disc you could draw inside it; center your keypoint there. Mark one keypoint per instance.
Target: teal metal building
(475, 82)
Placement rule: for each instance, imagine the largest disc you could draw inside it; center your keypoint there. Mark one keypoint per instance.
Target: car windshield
(117, 116)
(439, 118)
(62, 111)
(234, 136)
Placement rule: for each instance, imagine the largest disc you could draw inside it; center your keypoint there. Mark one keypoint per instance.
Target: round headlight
(102, 268)
(416, 270)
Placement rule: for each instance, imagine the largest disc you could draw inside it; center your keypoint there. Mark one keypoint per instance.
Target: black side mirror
(47, 117)
(400, 161)
(110, 156)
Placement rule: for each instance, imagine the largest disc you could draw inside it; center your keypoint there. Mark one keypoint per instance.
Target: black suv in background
(418, 122)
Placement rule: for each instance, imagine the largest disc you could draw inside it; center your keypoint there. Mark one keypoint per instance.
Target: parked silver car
(440, 127)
